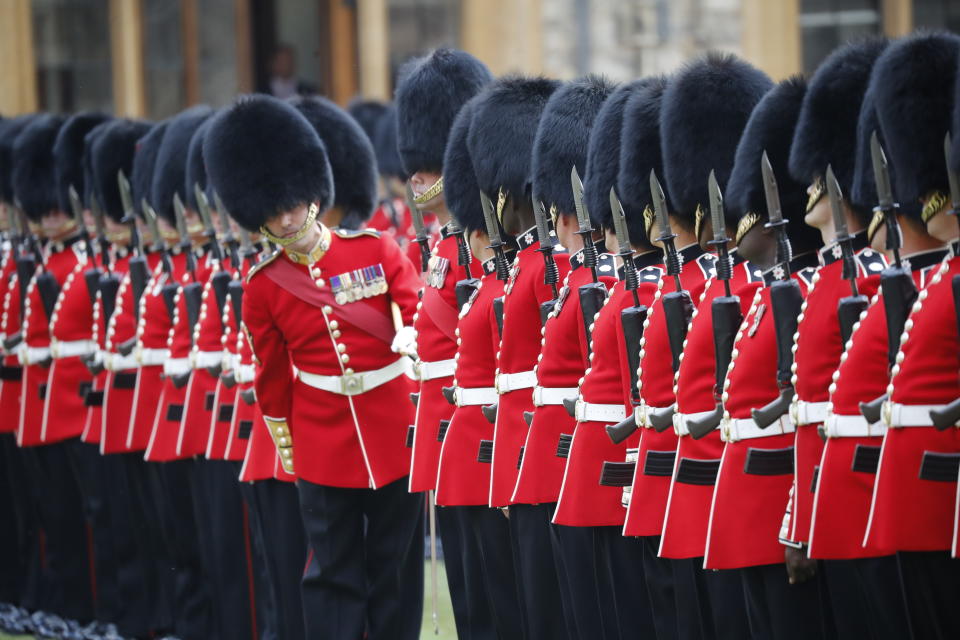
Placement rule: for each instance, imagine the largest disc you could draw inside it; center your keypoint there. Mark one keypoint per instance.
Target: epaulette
(708, 264)
(606, 264)
(806, 275)
(871, 262)
(356, 233)
(651, 274)
(260, 265)
(753, 273)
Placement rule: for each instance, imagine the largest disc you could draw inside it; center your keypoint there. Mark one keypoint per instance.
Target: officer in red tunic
(463, 472)
(756, 468)
(428, 97)
(826, 135)
(677, 497)
(332, 391)
(917, 471)
(52, 482)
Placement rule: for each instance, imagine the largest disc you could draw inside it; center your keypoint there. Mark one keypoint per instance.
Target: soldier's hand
(405, 342)
(800, 568)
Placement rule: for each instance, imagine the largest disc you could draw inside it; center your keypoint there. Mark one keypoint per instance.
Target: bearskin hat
(912, 82)
(771, 128)
(169, 173)
(603, 159)
(501, 138)
(68, 151)
(112, 150)
(562, 139)
(640, 153)
(429, 94)
(196, 172)
(34, 173)
(385, 145)
(144, 163)
(826, 132)
(367, 113)
(705, 108)
(264, 157)
(460, 187)
(351, 158)
(10, 128)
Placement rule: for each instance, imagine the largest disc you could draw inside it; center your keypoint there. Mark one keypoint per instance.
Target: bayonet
(551, 274)
(180, 214)
(129, 215)
(150, 215)
(775, 219)
(583, 220)
(625, 253)
(493, 233)
(667, 236)
(420, 228)
(842, 234)
(881, 176)
(77, 208)
(720, 239)
(203, 207)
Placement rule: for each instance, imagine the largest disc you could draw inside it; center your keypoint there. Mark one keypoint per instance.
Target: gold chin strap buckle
(649, 218)
(875, 223)
(698, 221)
(311, 220)
(431, 193)
(501, 202)
(935, 202)
(819, 188)
(747, 222)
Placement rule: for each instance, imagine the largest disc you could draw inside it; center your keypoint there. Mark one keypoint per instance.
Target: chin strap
(430, 193)
(302, 231)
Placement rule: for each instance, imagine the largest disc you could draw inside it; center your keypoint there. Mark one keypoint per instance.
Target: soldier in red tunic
(332, 390)
(917, 472)
(427, 100)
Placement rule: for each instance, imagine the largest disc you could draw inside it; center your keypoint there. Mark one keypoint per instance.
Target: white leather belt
(207, 359)
(507, 382)
(117, 362)
(908, 415)
(176, 366)
(467, 397)
(353, 384)
(150, 357)
(804, 412)
(72, 348)
(244, 373)
(736, 429)
(855, 426)
(33, 355)
(432, 370)
(543, 396)
(593, 412)
(680, 420)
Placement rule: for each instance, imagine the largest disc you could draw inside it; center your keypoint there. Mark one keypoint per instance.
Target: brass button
(334, 324)
(342, 348)
(315, 272)
(327, 309)
(320, 283)
(344, 358)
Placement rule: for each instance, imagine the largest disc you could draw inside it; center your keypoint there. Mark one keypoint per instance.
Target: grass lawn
(444, 612)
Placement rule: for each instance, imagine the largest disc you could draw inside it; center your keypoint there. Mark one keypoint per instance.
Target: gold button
(315, 272)
(344, 358)
(320, 282)
(348, 371)
(341, 348)
(336, 334)
(334, 324)
(327, 309)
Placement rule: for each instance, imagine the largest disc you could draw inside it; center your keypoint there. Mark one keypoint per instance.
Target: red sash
(442, 314)
(360, 314)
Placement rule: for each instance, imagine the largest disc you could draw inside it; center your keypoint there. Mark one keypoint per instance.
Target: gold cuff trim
(280, 433)
(875, 223)
(430, 193)
(819, 189)
(316, 253)
(747, 222)
(935, 202)
(312, 213)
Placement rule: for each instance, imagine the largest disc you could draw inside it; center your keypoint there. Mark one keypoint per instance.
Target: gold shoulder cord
(309, 222)
(430, 193)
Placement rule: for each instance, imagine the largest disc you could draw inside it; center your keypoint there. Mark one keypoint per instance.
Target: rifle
(786, 300)
(192, 292)
(235, 287)
(593, 294)
(219, 281)
(137, 267)
(420, 228)
(91, 275)
(464, 288)
(631, 318)
(499, 255)
(725, 313)
(26, 266)
(551, 274)
(896, 282)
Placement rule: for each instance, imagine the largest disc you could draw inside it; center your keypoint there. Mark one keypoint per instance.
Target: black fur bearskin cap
(826, 132)
(34, 172)
(563, 137)
(501, 138)
(196, 171)
(169, 173)
(264, 157)
(112, 150)
(771, 128)
(385, 145)
(429, 94)
(912, 82)
(10, 128)
(351, 159)
(460, 187)
(68, 152)
(705, 108)
(367, 113)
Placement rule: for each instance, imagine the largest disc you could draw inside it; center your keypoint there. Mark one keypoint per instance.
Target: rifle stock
(661, 419)
(546, 308)
(489, 412)
(623, 429)
(946, 417)
(703, 426)
(786, 299)
(92, 278)
(464, 289)
(220, 283)
(235, 290)
(498, 313)
(899, 293)
(49, 290)
(873, 410)
(678, 309)
(591, 296)
(109, 285)
(848, 314)
(632, 320)
(192, 295)
(139, 276)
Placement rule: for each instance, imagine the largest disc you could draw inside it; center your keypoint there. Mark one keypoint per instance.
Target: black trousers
(620, 563)
(463, 562)
(866, 598)
(19, 536)
(536, 570)
(364, 574)
(222, 518)
(592, 612)
(66, 584)
(931, 589)
(726, 601)
(779, 610)
(190, 603)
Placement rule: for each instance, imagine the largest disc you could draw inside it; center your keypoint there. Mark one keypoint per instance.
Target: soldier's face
(420, 182)
(943, 226)
(56, 226)
(288, 223)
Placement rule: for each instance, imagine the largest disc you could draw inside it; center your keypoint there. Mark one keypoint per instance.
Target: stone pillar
(126, 58)
(771, 36)
(18, 67)
(373, 36)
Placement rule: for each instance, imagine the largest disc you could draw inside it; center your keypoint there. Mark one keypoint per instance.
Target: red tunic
(519, 348)
(915, 495)
(227, 439)
(583, 501)
(11, 373)
(756, 471)
(818, 350)
(688, 504)
(562, 361)
(435, 322)
(338, 440)
(651, 485)
(847, 474)
(60, 263)
(463, 474)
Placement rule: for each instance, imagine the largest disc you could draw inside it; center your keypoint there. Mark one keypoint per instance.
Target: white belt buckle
(351, 384)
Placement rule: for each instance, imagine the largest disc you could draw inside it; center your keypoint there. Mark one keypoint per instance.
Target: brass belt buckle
(351, 384)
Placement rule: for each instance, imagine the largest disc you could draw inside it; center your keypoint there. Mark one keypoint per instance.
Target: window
(826, 24)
